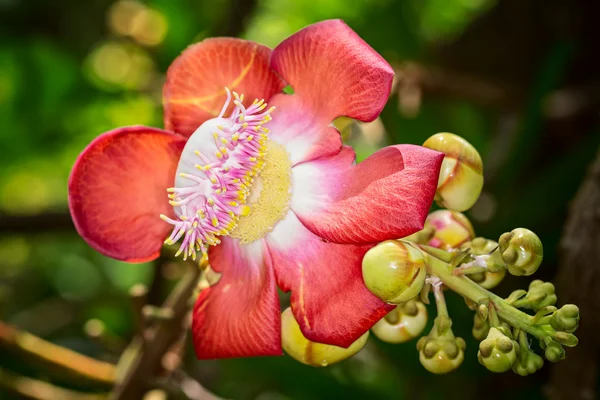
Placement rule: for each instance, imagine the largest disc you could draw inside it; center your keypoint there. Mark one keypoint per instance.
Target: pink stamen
(208, 210)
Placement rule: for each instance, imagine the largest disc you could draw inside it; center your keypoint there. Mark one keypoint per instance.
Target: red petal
(117, 190)
(334, 71)
(304, 137)
(387, 196)
(329, 299)
(196, 81)
(239, 316)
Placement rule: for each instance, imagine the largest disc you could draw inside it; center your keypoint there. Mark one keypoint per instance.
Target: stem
(469, 289)
(440, 300)
(57, 359)
(34, 389)
(158, 339)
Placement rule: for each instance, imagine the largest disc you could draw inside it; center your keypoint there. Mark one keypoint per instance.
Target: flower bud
(451, 229)
(566, 319)
(553, 351)
(311, 353)
(394, 271)
(442, 354)
(403, 323)
(528, 363)
(566, 339)
(481, 327)
(497, 352)
(487, 279)
(461, 176)
(540, 294)
(522, 251)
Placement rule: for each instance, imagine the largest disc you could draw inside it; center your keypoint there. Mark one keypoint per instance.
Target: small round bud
(566, 339)
(481, 327)
(311, 353)
(522, 251)
(554, 352)
(394, 271)
(461, 176)
(403, 323)
(566, 319)
(497, 352)
(451, 229)
(528, 363)
(442, 354)
(487, 279)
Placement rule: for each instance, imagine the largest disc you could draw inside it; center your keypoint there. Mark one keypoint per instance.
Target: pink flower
(284, 206)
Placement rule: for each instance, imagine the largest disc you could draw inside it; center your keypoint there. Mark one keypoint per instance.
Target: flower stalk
(472, 291)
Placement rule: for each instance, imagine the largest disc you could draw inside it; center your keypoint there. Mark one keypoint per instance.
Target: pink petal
(239, 316)
(334, 71)
(117, 191)
(303, 133)
(387, 196)
(196, 81)
(329, 299)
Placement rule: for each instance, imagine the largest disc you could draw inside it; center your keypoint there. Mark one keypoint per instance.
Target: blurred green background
(513, 77)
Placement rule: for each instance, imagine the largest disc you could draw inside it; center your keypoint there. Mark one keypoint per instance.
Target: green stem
(440, 301)
(469, 289)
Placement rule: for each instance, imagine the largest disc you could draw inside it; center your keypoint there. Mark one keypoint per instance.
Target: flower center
(217, 167)
(269, 196)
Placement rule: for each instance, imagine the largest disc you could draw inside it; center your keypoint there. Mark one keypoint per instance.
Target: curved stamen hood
(216, 169)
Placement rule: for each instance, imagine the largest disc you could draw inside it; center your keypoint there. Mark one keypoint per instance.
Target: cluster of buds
(446, 255)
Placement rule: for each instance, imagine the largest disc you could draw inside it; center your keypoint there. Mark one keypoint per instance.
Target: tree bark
(578, 279)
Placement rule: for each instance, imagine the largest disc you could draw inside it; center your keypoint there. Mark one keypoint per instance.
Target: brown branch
(45, 222)
(34, 389)
(575, 378)
(157, 340)
(56, 358)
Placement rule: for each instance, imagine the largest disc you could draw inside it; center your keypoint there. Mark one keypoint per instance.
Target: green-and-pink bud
(451, 229)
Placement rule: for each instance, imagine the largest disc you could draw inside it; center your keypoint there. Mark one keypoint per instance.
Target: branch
(38, 390)
(45, 222)
(56, 358)
(157, 340)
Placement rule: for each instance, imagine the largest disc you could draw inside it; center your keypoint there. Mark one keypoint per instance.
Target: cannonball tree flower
(269, 192)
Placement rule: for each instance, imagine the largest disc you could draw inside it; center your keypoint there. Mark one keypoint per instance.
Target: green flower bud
(553, 351)
(421, 237)
(461, 176)
(497, 352)
(442, 354)
(311, 353)
(540, 294)
(566, 339)
(481, 327)
(566, 319)
(403, 323)
(528, 363)
(492, 279)
(451, 229)
(522, 251)
(394, 271)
